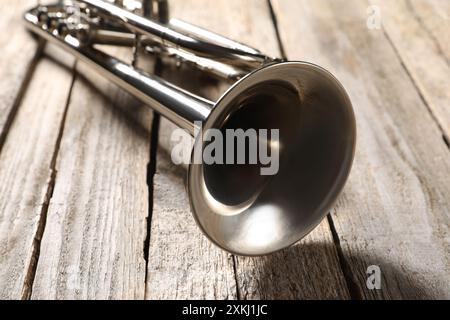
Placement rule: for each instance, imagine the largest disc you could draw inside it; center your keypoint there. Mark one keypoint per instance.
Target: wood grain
(183, 263)
(26, 173)
(434, 15)
(419, 31)
(17, 62)
(394, 212)
(308, 270)
(93, 244)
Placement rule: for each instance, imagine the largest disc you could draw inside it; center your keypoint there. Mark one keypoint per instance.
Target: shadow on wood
(292, 282)
(300, 272)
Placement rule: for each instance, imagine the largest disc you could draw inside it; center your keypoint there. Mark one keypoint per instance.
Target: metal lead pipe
(213, 67)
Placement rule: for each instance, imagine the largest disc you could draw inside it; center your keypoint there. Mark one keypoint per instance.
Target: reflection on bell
(247, 213)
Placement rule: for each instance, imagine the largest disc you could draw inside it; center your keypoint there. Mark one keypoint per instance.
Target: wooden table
(91, 205)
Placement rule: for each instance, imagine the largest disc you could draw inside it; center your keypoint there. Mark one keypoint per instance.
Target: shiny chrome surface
(238, 209)
(249, 214)
(171, 37)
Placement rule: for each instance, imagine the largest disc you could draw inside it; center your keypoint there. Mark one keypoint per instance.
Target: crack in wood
(345, 267)
(446, 141)
(151, 170)
(410, 76)
(277, 31)
(441, 52)
(350, 281)
(31, 272)
(22, 89)
(238, 292)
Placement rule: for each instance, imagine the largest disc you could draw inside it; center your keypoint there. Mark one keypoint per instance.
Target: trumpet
(237, 208)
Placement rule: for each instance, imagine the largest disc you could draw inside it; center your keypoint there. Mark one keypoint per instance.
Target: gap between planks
(445, 138)
(349, 278)
(402, 62)
(29, 150)
(20, 93)
(31, 273)
(97, 218)
(403, 19)
(360, 234)
(151, 170)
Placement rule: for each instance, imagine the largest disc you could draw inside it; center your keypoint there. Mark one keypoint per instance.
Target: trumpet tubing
(235, 206)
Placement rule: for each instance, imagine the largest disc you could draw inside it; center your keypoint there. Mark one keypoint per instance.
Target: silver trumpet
(236, 207)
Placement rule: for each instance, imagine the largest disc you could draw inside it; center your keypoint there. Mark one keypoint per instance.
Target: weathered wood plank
(183, 263)
(308, 270)
(415, 30)
(26, 174)
(93, 244)
(434, 15)
(17, 62)
(394, 212)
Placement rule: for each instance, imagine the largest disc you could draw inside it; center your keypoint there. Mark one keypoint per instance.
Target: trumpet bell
(247, 213)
